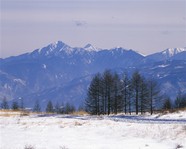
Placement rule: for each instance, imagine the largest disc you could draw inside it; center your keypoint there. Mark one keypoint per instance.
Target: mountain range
(62, 73)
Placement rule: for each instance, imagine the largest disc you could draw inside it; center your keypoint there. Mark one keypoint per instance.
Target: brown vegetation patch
(82, 113)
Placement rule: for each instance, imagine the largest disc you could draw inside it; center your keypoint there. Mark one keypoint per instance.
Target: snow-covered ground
(93, 132)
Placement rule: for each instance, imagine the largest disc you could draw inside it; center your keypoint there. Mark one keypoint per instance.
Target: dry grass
(8, 113)
(163, 112)
(183, 109)
(82, 113)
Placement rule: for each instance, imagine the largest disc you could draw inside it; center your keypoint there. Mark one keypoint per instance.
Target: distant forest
(110, 93)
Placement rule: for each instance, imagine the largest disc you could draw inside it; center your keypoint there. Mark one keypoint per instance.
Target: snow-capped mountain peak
(172, 51)
(90, 47)
(59, 46)
(54, 48)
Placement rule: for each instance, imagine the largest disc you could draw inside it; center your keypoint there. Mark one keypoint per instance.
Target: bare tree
(4, 104)
(37, 107)
(136, 79)
(153, 94)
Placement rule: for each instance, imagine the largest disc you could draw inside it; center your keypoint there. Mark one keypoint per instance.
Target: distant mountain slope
(60, 72)
(10, 85)
(171, 75)
(57, 65)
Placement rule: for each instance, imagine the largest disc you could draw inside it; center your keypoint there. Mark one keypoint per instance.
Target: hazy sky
(146, 26)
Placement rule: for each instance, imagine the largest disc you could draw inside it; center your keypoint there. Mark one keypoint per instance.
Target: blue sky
(146, 26)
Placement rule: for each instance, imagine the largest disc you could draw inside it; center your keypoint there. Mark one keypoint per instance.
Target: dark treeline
(109, 93)
(16, 105)
(57, 108)
(67, 108)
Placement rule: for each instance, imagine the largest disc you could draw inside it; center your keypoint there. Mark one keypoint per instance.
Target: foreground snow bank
(90, 132)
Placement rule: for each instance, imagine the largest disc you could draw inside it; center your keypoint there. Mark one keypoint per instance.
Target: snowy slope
(90, 132)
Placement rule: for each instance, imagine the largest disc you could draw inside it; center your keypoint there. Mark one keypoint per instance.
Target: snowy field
(92, 132)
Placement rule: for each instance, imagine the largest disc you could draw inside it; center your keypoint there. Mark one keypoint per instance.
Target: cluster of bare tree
(109, 93)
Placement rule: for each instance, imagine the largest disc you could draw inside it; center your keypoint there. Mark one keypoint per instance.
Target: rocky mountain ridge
(62, 73)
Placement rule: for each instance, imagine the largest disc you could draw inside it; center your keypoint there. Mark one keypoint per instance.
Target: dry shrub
(25, 113)
(80, 113)
(78, 123)
(181, 109)
(184, 128)
(63, 147)
(29, 147)
(178, 146)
